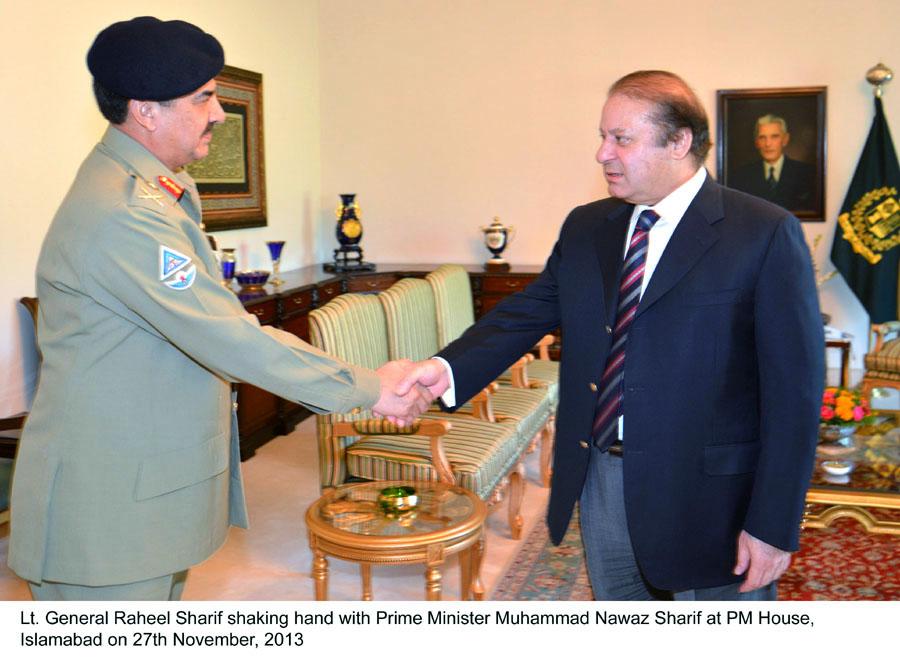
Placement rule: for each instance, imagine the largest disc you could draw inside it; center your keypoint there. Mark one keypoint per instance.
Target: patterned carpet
(840, 563)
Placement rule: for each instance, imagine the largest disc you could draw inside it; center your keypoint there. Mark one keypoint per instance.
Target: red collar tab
(170, 186)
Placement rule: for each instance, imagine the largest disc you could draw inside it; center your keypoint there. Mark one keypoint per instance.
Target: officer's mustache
(209, 129)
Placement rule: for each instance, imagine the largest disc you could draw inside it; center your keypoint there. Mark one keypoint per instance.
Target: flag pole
(878, 76)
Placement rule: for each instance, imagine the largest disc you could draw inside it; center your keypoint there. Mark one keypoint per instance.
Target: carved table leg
(477, 554)
(465, 573)
(320, 572)
(366, 571)
(434, 556)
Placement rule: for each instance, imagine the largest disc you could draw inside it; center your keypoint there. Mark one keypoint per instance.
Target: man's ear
(785, 140)
(681, 145)
(144, 113)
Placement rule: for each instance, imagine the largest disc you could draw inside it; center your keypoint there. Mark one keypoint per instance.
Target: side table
(348, 523)
(844, 345)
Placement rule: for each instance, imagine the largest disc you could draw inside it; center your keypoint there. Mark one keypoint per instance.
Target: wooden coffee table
(871, 486)
(348, 523)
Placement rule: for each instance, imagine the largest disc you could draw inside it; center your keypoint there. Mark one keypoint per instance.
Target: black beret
(152, 60)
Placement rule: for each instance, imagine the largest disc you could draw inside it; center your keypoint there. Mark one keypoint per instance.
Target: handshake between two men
(408, 388)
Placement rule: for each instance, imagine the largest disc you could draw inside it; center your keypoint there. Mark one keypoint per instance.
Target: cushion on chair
(481, 453)
(886, 362)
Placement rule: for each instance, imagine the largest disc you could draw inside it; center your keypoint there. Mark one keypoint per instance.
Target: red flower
(827, 413)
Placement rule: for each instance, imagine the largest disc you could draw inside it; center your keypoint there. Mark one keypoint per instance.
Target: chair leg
(547, 452)
(516, 495)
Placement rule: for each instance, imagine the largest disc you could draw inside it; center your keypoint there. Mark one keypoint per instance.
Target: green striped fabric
(411, 321)
(453, 302)
(409, 307)
(353, 327)
(886, 361)
(480, 453)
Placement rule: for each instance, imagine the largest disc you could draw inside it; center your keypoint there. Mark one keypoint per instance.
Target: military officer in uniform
(128, 471)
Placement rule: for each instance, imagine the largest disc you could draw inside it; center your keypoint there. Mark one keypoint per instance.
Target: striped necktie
(609, 404)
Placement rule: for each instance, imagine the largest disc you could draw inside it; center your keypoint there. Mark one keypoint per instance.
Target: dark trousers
(612, 566)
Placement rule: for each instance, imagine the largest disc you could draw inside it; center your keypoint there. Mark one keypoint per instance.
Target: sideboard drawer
(298, 300)
(265, 312)
(505, 284)
(370, 284)
(329, 291)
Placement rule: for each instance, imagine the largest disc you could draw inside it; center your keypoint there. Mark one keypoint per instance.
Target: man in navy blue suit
(777, 178)
(698, 489)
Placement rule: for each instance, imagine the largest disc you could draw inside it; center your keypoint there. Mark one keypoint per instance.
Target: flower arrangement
(844, 408)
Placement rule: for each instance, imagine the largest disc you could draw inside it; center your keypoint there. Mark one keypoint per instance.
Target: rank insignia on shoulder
(183, 279)
(171, 261)
(170, 186)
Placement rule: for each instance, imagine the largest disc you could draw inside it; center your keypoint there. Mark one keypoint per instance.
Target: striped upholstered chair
(478, 455)
(883, 363)
(409, 306)
(455, 313)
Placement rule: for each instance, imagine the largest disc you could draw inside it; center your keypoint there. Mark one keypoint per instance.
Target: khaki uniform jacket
(128, 467)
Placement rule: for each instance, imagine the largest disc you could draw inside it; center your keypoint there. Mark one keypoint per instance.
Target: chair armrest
(881, 330)
(541, 346)
(481, 404)
(433, 428)
(519, 371)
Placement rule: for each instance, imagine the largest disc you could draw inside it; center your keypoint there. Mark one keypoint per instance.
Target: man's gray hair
(770, 119)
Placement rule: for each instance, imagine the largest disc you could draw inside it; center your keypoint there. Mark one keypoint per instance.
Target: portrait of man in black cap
(128, 470)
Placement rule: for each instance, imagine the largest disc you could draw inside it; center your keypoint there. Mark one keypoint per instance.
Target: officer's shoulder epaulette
(148, 195)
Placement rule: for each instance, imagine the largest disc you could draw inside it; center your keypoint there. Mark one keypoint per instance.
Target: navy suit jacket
(724, 374)
(794, 191)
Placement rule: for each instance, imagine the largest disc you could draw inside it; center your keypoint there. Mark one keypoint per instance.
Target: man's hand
(765, 562)
(427, 373)
(400, 408)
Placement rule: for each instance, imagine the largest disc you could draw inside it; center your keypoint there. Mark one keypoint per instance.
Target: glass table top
(356, 509)
(870, 457)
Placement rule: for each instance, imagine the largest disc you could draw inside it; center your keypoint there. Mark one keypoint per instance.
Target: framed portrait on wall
(232, 178)
(771, 143)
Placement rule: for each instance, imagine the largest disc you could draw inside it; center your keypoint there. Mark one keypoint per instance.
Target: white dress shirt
(778, 164)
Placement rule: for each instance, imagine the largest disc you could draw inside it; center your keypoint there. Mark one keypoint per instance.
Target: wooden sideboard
(262, 415)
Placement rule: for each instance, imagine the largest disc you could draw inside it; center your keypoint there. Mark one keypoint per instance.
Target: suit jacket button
(584, 444)
(593, 387)
(608, 330)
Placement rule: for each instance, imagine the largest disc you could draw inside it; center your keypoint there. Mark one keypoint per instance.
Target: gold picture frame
(232, 178)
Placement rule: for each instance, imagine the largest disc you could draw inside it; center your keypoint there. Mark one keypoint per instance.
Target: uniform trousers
(166, 587)
(612, 566)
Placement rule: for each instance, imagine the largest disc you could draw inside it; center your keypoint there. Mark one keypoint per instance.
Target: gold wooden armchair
(883, 362)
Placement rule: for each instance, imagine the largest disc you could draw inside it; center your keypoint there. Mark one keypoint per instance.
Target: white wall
(439, 115)
(50, 123)
(449, 113)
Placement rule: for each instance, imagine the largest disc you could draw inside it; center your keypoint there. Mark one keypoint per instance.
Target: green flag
(868, 232)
